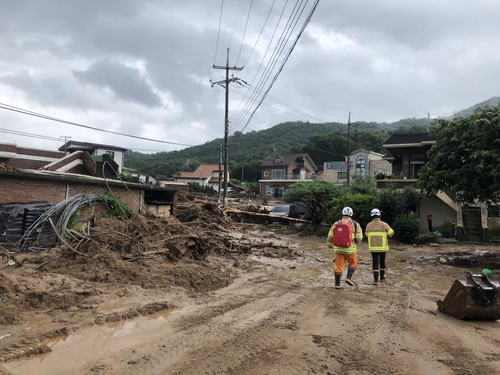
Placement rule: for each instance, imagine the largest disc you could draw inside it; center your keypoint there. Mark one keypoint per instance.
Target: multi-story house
(280, 171)
(96, 151)
(408, 154)
(362, 163)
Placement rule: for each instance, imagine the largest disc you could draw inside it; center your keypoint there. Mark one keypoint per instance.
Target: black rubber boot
(382, 275)
(337, 281)
(375, 277)
(348, 280)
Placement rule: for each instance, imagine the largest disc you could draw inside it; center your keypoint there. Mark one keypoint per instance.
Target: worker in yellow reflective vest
(377, 232)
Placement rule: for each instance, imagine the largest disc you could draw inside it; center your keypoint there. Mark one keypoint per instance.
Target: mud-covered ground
(268, 311)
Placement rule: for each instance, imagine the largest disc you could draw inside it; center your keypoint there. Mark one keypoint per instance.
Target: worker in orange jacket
(346, 254)
(377, 232)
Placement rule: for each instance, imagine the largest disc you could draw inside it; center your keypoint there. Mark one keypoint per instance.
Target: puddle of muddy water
(115, 305)
(72, 352)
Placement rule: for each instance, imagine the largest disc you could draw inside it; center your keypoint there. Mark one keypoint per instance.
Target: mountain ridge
(248, 150)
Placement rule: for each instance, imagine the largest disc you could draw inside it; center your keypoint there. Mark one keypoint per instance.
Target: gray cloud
(142, 67)
(127, 83)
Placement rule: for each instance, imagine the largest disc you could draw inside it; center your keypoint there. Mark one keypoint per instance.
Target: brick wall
(17, 189)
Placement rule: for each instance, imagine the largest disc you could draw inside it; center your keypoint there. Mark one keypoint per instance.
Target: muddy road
(279, 315)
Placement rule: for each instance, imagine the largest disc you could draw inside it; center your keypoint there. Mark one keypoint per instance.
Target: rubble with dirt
(204, 293)
(198, 251)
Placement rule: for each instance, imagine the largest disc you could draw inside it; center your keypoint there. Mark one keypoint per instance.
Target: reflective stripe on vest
(379, 235)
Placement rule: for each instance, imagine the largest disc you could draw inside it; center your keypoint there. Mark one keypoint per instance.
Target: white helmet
(375, 212)
(347, 211)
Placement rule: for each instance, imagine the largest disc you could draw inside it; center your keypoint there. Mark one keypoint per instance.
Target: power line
(234, 25)
(284, 104)
(261, 31)
(253, 97)
(30, 135)
(275, 56)
(244, 32)
(308, 19)
(277, 109)
(218, 32)
(35, 114)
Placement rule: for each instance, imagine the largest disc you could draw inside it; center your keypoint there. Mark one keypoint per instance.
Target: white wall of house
(117, 155)
(439, 211)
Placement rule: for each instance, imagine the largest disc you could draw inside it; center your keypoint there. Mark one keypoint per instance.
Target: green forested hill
(467, 112)
(324, 142)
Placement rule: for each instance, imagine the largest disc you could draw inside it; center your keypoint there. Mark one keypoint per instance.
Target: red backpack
(342, 234)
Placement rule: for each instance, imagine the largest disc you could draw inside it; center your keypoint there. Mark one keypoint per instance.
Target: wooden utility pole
(220, 174)
(349, 149)
(226, 121)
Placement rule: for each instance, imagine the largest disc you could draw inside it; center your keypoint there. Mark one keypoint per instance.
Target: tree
(315, 196)
(361, 204)
(394, 203)
(466, 157)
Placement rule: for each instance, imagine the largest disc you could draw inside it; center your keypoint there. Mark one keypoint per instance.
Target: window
(269, 190)
(278, 174)
(415, 168)
(266, 173)
(342, 175)
(360, 165)
(111, 154)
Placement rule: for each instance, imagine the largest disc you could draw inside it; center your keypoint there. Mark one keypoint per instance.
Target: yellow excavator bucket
(475, 298)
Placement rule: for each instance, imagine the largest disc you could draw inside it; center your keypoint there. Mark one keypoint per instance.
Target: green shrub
(117, 207)
(493, 230)
(447, 228)
(406, 228)
(425, 238)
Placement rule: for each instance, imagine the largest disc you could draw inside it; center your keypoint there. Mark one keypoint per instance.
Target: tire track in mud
(33, 347)
(353, 347)
(229, 336)
(241, 349)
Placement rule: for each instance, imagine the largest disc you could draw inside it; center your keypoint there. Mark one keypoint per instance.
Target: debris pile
(199, 250)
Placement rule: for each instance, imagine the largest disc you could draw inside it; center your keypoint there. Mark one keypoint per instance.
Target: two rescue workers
(346, 234)
(345, 251)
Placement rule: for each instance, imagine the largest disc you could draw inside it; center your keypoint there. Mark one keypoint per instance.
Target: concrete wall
(439, 211)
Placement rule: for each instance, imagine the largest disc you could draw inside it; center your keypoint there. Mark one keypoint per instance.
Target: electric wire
(232, 128)
(39, 115)
(308, 19)
(260, 34)
(244, 32)
(234, 25)
(281, 44)
(30, 135)
(262, 60)
(218, 31)
(286, 33)
(307, 115)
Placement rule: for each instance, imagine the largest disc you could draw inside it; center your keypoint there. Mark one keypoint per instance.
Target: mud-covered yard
(264, 309)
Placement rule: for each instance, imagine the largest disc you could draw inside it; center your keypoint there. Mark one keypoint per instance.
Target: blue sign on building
(336, 165)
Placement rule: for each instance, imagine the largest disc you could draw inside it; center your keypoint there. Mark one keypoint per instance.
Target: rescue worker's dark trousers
(378, 260)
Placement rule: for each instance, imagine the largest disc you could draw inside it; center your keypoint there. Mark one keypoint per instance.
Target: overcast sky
(143, 67)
